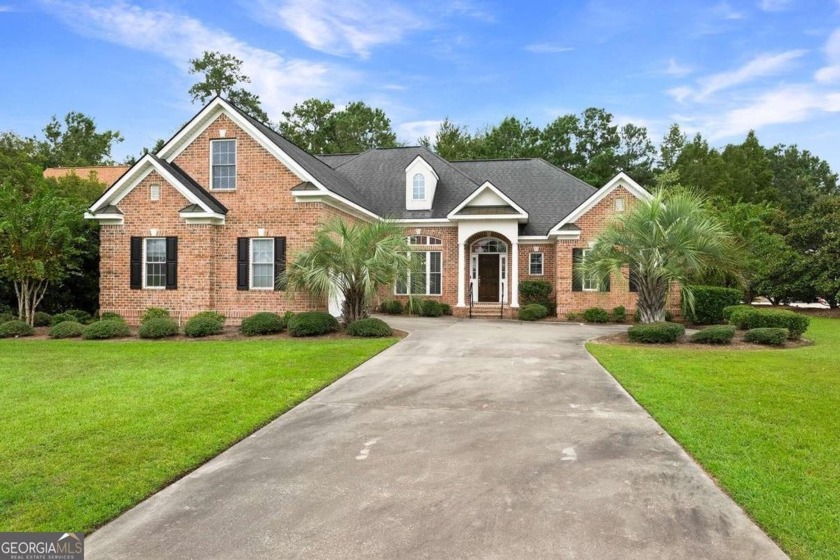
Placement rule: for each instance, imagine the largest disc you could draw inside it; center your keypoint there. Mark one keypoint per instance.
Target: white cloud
(831, 73)
(348, 27)
(724, 10)
(676, 69)
(6, 9)
(774, 5)
(279, 82)
(412, 131)
(547, 48)
(761, 66)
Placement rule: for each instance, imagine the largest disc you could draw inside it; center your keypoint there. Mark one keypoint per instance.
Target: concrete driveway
(469, 439)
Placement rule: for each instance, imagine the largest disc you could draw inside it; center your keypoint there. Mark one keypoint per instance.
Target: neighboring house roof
(105, 174)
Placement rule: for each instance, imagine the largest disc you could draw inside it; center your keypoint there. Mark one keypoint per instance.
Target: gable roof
(620, 180)
(336, 160)
(190, 184)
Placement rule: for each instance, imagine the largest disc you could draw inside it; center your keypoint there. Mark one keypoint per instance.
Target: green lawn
(89, 429)
(764, 423)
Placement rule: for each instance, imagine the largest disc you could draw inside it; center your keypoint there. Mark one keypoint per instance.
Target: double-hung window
(590, 281)
(223, 164)
(425, 276)
(154, 262)
(262, 263)
(535, 265)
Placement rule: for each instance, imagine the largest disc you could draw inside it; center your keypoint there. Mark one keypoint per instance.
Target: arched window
(489, 245)
(423, 240)
(418, 184)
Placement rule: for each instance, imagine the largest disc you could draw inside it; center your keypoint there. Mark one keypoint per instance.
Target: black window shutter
(279, 260)
(605, 285)
(171, 263)
(136, 266)
(634, 279)
(242, 263)
(577, 280)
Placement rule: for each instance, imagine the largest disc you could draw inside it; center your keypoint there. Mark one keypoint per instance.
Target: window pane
(223, 160)
(418, 187)
(262, 263)
(536, 263)
(434, 261)
(435, 283)
(155, 263)
(262, 251)
(418, 273)
(262, 276)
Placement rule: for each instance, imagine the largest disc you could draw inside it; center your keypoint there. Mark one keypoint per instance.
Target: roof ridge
(493, 159)
(449, 163)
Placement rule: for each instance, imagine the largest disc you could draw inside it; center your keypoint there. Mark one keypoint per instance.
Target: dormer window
(223, 165)
(418, 187)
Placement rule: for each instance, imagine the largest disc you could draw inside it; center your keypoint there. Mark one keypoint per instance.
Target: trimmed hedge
(82, 317)
(717, 334)
(572, 316)
(430, 308)
(154, 313)
(160, 327)
(532, 312)
(312, 323)
(42, 319)
(447, 309)
(370, 327)
(753, 318)
(392, 307)
(204, 324)
(111, 316)
(536, 291)
(101, 330)
(67, 329)
(596, 315)
(770, 336)
(262, 323)
(730, 309)
(6, 317)
(656, 333)
(619, 314)
(14, 329)
(709, 303)
(62, 317)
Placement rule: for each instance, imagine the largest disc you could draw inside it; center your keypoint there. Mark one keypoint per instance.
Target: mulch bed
(229, 333)
(622, 339)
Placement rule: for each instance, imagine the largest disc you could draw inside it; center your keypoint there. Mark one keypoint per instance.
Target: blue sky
(718, 68)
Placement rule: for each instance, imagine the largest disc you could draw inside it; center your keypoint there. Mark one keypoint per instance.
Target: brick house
(208, 222)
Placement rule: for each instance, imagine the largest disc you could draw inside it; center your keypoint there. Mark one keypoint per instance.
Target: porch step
(492, 310)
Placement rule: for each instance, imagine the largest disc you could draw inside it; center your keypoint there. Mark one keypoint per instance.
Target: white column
(462, 265)
(514, 275)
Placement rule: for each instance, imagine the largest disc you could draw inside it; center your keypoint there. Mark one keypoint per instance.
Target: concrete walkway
(469, 439)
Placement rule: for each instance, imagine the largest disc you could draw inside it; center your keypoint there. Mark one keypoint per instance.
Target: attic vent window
(619, 205)
(154, 192)
(418, 190)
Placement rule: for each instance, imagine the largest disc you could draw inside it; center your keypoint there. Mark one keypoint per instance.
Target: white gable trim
(425, 163)
(134, 176)
(521, 213)
(331, 199)
(620, 180)
(208, 115)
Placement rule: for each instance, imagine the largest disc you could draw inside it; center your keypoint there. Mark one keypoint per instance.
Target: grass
(764, 423)
(92, 428)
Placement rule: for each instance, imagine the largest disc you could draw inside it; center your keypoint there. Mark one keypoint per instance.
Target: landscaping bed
(737, 343)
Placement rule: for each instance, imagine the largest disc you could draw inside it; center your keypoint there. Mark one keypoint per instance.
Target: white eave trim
(106, 219)
(332, 199)
(425, 221)
(521, 215)
(203, 217)
(622, 179)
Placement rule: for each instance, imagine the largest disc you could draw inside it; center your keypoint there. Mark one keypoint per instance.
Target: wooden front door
(488, 277)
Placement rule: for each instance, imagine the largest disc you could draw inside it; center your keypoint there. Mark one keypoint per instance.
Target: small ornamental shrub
(82, 317)
(67, 329)
(795, 323)
(14, 329)
(431, 308)
(42, 319)
(619, 314)
(730, 309)
(154, 313)
(717, 334)
(287, 316)
(656, 333)
(262, 323)
(637, 316)
(536, 291)
(370, 327)
(158, 328)
(596, 315)
(392, 307)
(312, 323)
(709, 303)
(200, 326)
(111, 316)
(101, 330)
(61, 317)
(532, 312)
(6, 317)
(769, 335)
(741, 315)
(572, 316)
(447, 309)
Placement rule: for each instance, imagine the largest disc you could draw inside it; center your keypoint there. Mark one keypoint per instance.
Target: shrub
(62, 317)
(6, 317)
(262, 323)
(287, 316)
(154, 313)
(392, 307)
(105, 329)
(15, 328)
(67, 329)
(619, 314)
(656, 333)
(532, 312)
(727, 311)
(431, 308)
(770, 336)
(160, 327)
(572, 316)
(717, 334)
(753, 318)
(637, 316)
(111, 316)
(740, 316)
(536, 291)
(312, 323)
(198, 326)
(447, 309)
(370, 327)
(596, 315)
(80, 316)
(709, 303)
(42, 319)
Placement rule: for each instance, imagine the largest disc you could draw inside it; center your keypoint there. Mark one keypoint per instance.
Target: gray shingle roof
(334, 160)
(190, 184)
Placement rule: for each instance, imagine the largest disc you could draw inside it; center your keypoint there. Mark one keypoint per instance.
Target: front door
(488, 277)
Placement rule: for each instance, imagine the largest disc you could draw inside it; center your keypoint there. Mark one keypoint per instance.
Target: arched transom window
(423, 240)
(489, 245)
(418, 184)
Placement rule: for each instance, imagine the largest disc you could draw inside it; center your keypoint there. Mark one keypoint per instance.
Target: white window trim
(235, 164)
(145, 264)
(413, 186)
(542, 264)
(588, 278)
(251, 264)
(428, 274)
(154, 192)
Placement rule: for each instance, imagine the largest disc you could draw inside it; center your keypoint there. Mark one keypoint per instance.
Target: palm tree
(670, 238)
(351, 260)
